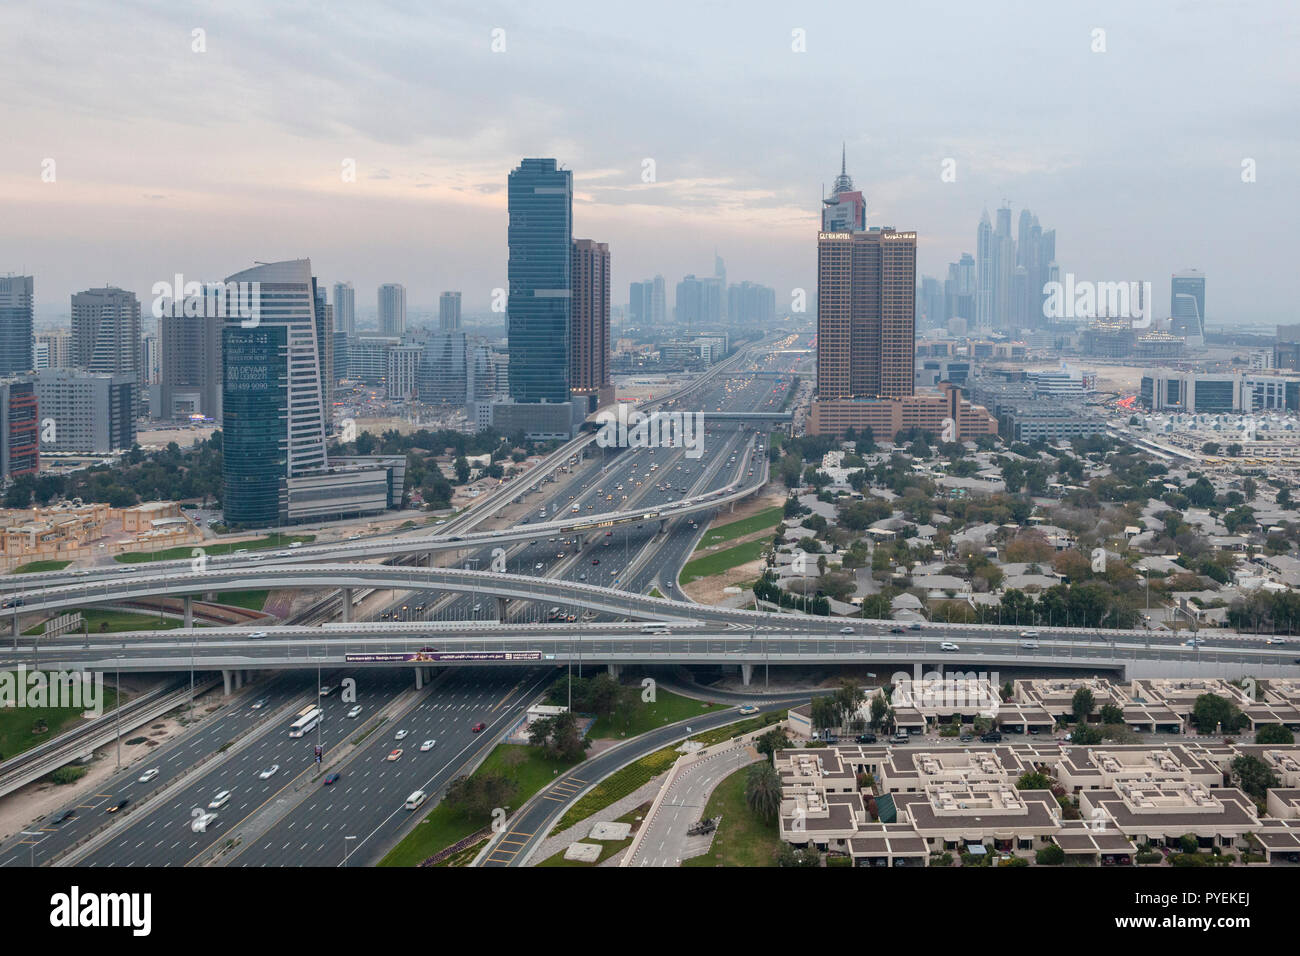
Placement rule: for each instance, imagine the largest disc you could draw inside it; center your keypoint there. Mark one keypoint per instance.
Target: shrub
(1050, 855)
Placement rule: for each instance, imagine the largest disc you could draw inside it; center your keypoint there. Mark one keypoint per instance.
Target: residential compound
(927, 801)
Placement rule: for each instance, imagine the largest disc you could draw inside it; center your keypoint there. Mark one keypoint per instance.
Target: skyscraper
(589, 325)
(272, 396)
(324, 352)
(659, 303)
(540, 237)
(846, 209)
(190, 366)
(106, 335)
(392, 308)
(17, 294)
(866, 331)
(345, 308)
(640, 302)
(449, 312)
(1187, 305)
(699, 302)
(985, 267)
(720, 273)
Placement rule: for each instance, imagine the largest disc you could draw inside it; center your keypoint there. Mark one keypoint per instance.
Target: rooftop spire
(843, 184)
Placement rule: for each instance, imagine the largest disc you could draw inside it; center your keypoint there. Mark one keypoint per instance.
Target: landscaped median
(220, 547)
(445, 825)
(724, 560)
(742, 838)
(764, 520)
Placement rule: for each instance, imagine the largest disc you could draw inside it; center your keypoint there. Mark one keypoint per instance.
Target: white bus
(655, 627)
(306, 722)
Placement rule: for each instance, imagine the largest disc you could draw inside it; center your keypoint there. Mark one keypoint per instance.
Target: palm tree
(763, 790)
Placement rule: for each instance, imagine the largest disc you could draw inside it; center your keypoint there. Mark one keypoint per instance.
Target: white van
(414, 800)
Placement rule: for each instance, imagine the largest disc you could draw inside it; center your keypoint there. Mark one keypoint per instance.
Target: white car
(258, 636)
(355, 711)
(846, 630)
(1029, 645)
(259, 704)
(948, 646)
(1276, 640)
(270, 771)
(219, 800)
(427, 745)
(749, 709)
(148, 775)
(401, 735)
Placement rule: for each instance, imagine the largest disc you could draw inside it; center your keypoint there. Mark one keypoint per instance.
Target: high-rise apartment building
(190, 366)
(392, 309)
(345, 308)
(639, 297)
(751, 304)
(85, 412)
(58, 347)
(106, 335)
(540, 237)
(589, 326)
(449, 312)
(699, 302)
(17, 298)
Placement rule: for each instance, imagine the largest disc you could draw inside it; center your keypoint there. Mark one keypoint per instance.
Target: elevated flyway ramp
(31, 585)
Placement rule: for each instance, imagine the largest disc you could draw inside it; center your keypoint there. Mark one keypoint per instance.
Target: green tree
(1211, 712)
(763, 790)
(1111, 714)
(1035, 780)
(1253, 776)
(1274, 734)
(1050, 855)
(1081, 705)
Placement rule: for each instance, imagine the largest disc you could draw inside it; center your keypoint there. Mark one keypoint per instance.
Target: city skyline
(438, 224)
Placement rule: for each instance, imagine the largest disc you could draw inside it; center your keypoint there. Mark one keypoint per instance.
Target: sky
(135, 148)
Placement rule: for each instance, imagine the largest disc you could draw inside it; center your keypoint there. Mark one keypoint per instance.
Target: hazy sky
(167, 159)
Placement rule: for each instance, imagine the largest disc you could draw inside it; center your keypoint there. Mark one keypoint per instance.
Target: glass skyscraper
(540, 238)
(16, 294)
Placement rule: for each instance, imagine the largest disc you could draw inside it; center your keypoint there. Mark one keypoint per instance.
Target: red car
(479, 726)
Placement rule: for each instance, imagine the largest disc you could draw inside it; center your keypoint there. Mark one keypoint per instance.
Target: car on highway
(119, 805)
(259, 704)
(1193, 642)
(896, 630)
(479, 726)
(258, 636)
(332, 779)
(538, 566)
(66, 817)
(148, 775)
(427, 745)
(749, 709)
(846, 630)
(400, 735)
(595, 560)
(326, 690)
(1029, 645)
(948, 646)
(1276, 640)
(355, 711)
(270, 771)
(395, 754)
(219, 800)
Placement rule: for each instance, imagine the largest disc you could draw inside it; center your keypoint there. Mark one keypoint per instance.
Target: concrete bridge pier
(419, 678)
(503, 607)
(239, 679)
(746, 673)
(347, 605)
(615, 670)
(189, 610)
(225, 679)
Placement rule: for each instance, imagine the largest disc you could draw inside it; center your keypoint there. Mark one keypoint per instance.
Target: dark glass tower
(16, 294)
(540, 237)
(254, 452)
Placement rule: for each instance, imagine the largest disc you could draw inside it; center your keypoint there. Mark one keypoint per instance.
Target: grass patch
(655, 592)
(723, 560)
(444, 826)
(173, 554)
(36, 567)
(20, 727)
(607, 847)
(668, 708)
(253, 600)
(618, 785)
(767, 518)
(742, 838)
(101, 621)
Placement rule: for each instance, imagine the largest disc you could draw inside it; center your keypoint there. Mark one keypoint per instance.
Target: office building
(345, 308)
(1286, 350)
(589, 326)
(85, 412)
(699, 302)
(449, 312)
(392, 309)
(1187, 306)
(640, 304)
(58, 347)
(751, 304)
(19, 433)
(442, 376)
(325, 323)
(17, 298)
(1210, 393)
(106, 335)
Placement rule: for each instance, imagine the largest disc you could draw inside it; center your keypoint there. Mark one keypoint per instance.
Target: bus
(655, 627)
(306, 722)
